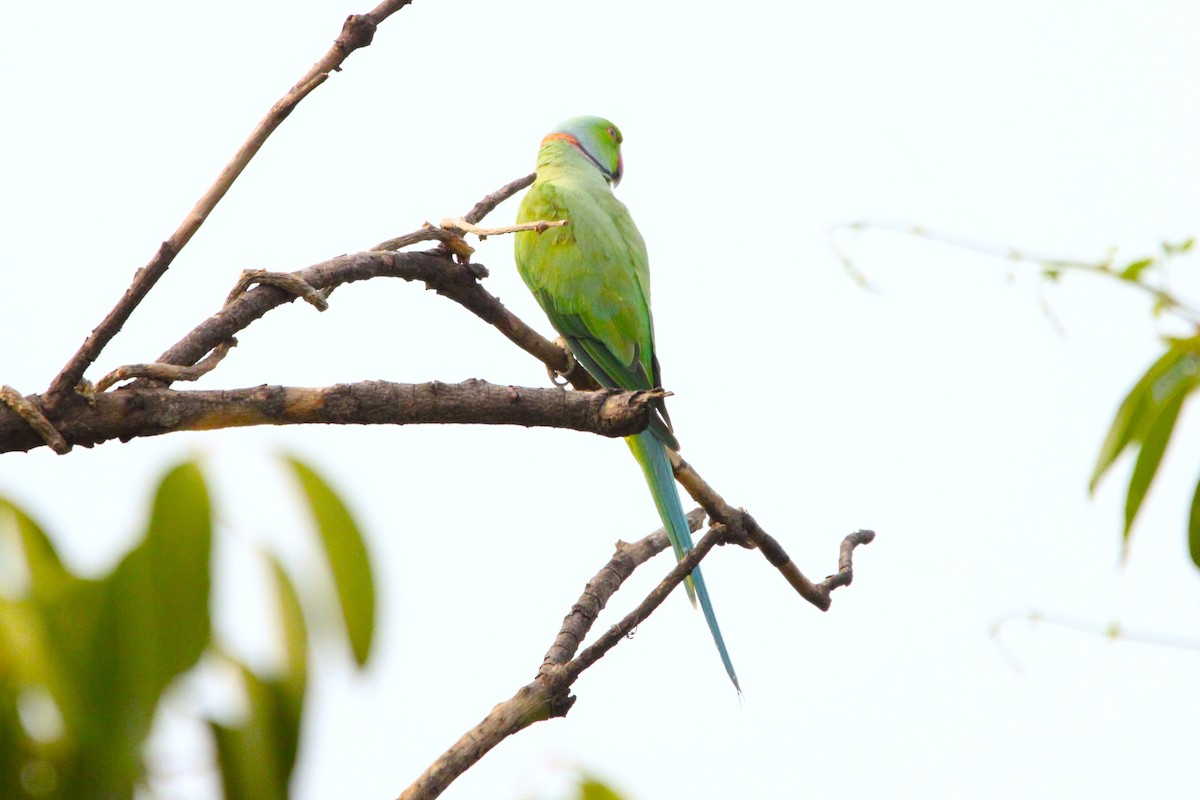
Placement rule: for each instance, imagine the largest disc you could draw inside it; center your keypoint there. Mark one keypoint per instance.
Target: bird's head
(598, 139)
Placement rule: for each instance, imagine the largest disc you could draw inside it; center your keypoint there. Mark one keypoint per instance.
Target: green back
(591, 277)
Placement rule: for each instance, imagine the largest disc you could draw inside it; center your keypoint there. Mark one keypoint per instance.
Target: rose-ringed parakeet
(592, 279)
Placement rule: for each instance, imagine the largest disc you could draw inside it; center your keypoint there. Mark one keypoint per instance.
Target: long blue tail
(652, 455)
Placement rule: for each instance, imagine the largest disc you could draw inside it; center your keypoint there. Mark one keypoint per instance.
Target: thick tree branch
(130, 413)
(357, 31)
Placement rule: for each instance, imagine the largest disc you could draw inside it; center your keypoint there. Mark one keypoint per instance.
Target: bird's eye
(612, 134)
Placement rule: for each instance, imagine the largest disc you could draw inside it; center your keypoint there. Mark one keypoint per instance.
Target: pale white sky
(943, 411)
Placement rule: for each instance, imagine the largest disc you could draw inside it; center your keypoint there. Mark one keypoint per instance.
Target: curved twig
(167, 373)
(284, 280)
(448, 278)
(743, 529)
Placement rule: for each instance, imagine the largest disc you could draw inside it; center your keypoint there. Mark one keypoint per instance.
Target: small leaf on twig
(1177, 248)
(1134, 269)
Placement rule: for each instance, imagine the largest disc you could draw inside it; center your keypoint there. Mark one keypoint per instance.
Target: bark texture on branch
(130, 413)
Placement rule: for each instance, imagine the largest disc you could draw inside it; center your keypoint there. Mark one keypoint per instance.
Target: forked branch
(549, 694)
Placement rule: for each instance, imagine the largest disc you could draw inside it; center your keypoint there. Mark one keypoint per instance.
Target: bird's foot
(561, 379)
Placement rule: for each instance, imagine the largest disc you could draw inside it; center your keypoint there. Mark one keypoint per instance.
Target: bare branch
(435, 268)
(548, 695)
(604, 585)
(428, 233)
(609, 639)
(488, 204)
(480, 210)
(457, 281)
(167, 373)
(745, 530)
(131, 413)
(1051, 265)
(460, 224)
(357, 31)
(284, 280)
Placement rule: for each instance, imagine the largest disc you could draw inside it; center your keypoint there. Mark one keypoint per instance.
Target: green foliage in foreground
(85, 664)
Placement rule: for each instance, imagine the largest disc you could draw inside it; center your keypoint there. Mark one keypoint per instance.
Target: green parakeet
(592, 279)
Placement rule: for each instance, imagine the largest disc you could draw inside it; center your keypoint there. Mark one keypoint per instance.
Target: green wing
(592, 279)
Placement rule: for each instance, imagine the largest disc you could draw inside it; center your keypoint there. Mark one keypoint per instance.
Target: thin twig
(429, 233)
(603, 585)
(480, 210)
(1113, 631)
(167, 373)
(460, 224)
(488, 204)
(1051, 264)
(357, 32)
(743, 529)
(609, 639)
(434, 268)
(284, 280)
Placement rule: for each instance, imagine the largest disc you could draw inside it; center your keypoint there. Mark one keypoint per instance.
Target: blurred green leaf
(1177, 248)
(1194, 528)
(591, 788)
(26, 656)
(295, 680)
(1150, 456)
(1176, 369)
(1133, 270)
(254, 757)
(45, 570)
(348, 559)
(125, 638)
(176, 577)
